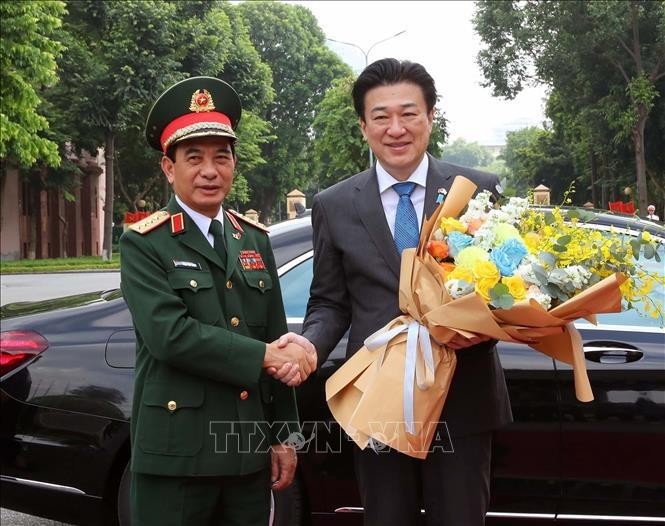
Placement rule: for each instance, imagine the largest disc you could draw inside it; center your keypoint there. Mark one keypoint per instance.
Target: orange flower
(437, 249)
(447, 268)
(474, 225)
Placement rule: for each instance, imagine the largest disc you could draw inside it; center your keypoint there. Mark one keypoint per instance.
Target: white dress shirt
(203, 222)
(389, 197)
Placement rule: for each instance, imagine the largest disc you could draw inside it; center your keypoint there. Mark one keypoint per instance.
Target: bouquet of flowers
(515, 253)
(513, 274)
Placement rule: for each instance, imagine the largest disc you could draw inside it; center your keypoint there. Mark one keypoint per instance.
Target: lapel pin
(441, 195)
(236, 235)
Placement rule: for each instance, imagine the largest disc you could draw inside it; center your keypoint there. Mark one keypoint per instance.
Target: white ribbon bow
(417, 339)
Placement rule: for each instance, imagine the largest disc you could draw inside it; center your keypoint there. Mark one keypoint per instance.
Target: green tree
(219, 30)
(28, 54)
(603, 58)
(289, 40)
(536, 156)
(338, 147)
(120, 55)
(465, 153)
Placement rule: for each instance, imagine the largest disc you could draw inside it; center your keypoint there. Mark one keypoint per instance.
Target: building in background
(38, 223)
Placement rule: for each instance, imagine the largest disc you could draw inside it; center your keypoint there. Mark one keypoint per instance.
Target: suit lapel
(192, 237)
(367, 202)
(437, 178)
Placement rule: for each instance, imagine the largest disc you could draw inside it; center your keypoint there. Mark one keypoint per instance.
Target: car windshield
(636, 317)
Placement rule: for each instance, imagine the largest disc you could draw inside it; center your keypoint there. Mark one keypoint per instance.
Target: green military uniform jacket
(202, 404)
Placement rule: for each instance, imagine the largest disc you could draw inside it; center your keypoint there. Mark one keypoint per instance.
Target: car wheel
(123, 498)
(288, 505)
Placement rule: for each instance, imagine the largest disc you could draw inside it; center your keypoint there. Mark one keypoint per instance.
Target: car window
(295, 289)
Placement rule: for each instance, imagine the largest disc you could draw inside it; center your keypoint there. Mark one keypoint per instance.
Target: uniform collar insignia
(177, 223)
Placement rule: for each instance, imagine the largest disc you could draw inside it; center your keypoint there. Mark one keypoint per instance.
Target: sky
(440, 36)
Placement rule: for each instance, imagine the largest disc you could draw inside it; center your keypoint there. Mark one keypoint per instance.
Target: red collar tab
(177, 224)
(234, 221)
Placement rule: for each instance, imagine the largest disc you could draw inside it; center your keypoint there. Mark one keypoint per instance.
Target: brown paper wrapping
(366, 394)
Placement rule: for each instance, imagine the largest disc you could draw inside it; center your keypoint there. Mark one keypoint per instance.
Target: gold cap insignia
(201, 101)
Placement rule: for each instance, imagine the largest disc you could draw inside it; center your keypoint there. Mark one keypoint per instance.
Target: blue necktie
(406, 220)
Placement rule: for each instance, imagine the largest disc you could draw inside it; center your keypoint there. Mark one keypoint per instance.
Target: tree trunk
(109, 155)
(594, 179)
(640, 160)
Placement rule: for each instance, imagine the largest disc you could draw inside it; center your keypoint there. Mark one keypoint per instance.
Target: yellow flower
(468, 256)
(486, 271)
(646, 236)
(483, 288)
(450, 224)
(532, 241)
(515, 286)
(503, 232)
(486, 276)
(461, 273)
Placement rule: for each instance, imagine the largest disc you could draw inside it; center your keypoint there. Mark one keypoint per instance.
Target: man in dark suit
(208, 423)
(355, 285)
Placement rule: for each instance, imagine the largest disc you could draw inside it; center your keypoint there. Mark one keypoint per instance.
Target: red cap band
(184, 121)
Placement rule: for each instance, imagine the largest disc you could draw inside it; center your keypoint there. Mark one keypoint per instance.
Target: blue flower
(508, 256)
(457, 241)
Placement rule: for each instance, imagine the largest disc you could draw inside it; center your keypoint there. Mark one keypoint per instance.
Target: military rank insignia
(177, 223)
(251, 260)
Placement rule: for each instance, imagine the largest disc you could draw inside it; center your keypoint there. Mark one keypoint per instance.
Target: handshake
(290, 359)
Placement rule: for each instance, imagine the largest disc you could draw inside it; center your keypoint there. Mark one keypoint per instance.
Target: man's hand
(283, 461)
(293, 362)
(460, 342)
(289, 373)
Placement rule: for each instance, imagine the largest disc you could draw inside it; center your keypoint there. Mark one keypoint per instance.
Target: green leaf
(563, 240)
(649, 251)
(498, 290)
(549, 218)
(559, 248)
(635, 245)
(500, 297)
(548, 258)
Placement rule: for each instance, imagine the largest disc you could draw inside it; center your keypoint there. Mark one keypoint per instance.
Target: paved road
(12, 518)
(33, 287)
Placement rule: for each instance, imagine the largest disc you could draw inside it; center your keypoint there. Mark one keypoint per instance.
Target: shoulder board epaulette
(247, 220)
(151, 222)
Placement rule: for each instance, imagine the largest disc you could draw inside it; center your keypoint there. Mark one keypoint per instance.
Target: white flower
(578, 276)
(458, 288)
(543, 299)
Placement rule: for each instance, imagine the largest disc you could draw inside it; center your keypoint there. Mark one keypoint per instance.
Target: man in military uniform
(208, 422)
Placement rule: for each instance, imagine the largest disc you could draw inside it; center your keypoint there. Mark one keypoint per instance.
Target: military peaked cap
(194, 107)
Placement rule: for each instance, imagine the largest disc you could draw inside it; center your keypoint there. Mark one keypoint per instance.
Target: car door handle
(612, 355)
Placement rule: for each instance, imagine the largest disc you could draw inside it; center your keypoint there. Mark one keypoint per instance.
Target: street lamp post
(366, 55)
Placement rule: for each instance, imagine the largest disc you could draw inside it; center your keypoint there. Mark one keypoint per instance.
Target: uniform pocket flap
(258, 280)
(172, 398)
(190, 279)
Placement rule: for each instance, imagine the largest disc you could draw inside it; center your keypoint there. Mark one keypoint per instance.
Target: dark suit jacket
(202, 403)
(356, 283)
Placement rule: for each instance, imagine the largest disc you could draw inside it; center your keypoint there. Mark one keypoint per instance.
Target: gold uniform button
(193, 284)
(244, 395)
(235, 322)
(172, 405)
(261, 284)
(229, 285)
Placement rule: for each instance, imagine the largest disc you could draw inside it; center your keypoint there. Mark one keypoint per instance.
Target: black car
(66, 391)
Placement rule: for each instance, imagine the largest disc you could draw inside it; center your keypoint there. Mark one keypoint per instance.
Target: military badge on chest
(251, 260)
